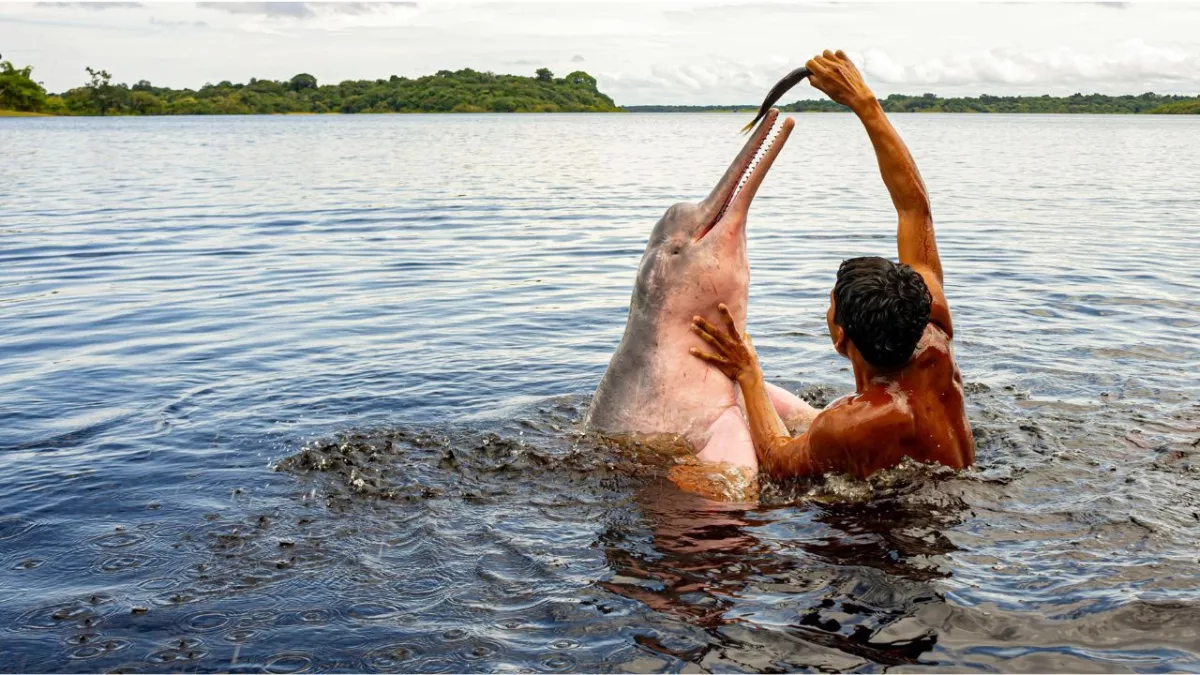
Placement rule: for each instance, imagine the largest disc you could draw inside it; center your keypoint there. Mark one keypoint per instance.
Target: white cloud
(302, 10)
(290, 18)
(1133, 66)
(293, 10)
(721, 51)
(91, 6)
(1129, 63)
(169, 23)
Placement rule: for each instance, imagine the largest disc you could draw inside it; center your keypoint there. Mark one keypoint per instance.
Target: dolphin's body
(695, 259)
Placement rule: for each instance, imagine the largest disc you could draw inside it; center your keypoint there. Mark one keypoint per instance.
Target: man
(892, 322)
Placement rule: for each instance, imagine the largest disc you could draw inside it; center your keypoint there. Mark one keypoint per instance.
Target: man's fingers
(729, 322)
(711, 358)
(710, 339)
(701, 325)
(841, 54)
(819, 72)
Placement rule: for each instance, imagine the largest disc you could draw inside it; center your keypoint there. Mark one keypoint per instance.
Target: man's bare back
(916, 412)
(891, 320)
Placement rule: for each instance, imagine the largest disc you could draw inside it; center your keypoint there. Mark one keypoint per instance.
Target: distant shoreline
(4, 113)
(463, 90)
(1186, 106)
(1148, 103)
(471, 91)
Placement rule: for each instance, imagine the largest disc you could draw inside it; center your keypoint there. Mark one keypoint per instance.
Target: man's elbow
(916, 211)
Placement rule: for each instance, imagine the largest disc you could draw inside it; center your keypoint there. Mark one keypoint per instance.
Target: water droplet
(206, 621)
(288, 663)
(373, 611)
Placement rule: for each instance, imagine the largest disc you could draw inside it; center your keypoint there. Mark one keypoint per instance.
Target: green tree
(144, 103)
(302, 81)
(101, 91)
(582, 79)
(1178, 108)
(55, 106)
(504, 104)
(18, 91)
(544, 75)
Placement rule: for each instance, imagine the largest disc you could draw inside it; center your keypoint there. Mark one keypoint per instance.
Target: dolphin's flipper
(729, 441)
(795, 412)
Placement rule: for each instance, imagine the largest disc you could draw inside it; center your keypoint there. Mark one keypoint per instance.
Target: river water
(302, 393)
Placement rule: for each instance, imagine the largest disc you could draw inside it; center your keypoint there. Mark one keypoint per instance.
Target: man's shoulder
(936, 347)
(934, 335)
(849, 437)
(865, 415)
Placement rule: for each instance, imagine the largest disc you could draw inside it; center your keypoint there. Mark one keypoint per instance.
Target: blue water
(424, 304)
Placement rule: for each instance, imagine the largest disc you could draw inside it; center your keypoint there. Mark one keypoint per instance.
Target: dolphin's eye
(676, 249)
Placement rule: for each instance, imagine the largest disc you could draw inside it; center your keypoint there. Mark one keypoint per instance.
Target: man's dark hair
(883, 307)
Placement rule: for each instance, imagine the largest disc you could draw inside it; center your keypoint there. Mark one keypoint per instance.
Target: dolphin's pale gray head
(696, 255)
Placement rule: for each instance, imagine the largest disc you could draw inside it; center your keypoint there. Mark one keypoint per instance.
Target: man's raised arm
(835, 75)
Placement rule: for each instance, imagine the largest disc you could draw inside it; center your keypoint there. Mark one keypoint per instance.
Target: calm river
(302, 393)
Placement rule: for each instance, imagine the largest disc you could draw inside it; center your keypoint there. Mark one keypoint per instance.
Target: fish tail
(781, 87)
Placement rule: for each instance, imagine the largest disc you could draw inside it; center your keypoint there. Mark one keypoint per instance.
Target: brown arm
(836, 75)
(779, 454)
(833, 442)
(914, 236)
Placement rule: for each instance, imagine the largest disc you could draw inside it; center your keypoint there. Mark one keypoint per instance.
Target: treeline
(798, 106)
(1076, 103)
(690, 108)
(473, 91)
(447, 91)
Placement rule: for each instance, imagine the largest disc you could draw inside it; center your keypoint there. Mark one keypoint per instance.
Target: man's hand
(734, 356)
(835, 75)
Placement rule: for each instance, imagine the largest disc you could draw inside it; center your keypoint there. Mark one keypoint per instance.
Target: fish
(781, 87)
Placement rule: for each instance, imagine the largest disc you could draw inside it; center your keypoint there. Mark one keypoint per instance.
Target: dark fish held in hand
(781, 87)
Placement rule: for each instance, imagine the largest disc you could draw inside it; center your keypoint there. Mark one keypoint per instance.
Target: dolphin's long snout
(726, 196)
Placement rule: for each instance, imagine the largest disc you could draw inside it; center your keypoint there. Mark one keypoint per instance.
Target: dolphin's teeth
(759, 154)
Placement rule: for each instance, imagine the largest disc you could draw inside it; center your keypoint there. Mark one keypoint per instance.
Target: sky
(684, 53)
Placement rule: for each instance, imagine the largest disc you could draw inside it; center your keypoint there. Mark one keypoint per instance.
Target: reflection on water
(303, 394)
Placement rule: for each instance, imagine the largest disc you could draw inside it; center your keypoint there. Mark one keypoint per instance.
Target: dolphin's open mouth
(737, 187)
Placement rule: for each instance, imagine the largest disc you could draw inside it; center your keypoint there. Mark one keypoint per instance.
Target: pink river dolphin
(695, 259)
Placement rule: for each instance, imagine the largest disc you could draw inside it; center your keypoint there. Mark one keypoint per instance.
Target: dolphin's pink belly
(666, 390)
(729, 441)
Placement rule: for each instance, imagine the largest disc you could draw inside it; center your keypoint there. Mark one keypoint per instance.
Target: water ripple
(407, 314)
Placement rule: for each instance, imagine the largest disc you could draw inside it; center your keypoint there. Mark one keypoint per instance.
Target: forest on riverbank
(469, 90)
(1149, 103)
(446, 91)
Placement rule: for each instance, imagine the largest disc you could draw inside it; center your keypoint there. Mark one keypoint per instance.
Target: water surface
(405, 315)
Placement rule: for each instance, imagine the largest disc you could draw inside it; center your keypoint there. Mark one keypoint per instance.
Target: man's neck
(865, 374)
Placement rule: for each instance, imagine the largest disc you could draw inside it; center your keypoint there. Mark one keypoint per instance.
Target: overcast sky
(673, 52)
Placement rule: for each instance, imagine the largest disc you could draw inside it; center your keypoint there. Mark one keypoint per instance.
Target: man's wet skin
(695, 258)
(910, 407)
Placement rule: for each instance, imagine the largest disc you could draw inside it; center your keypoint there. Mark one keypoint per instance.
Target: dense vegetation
(18, 91)
(659, 108)
(472, 91)
(1076, 103)
(458, 91)
(1184, 107)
